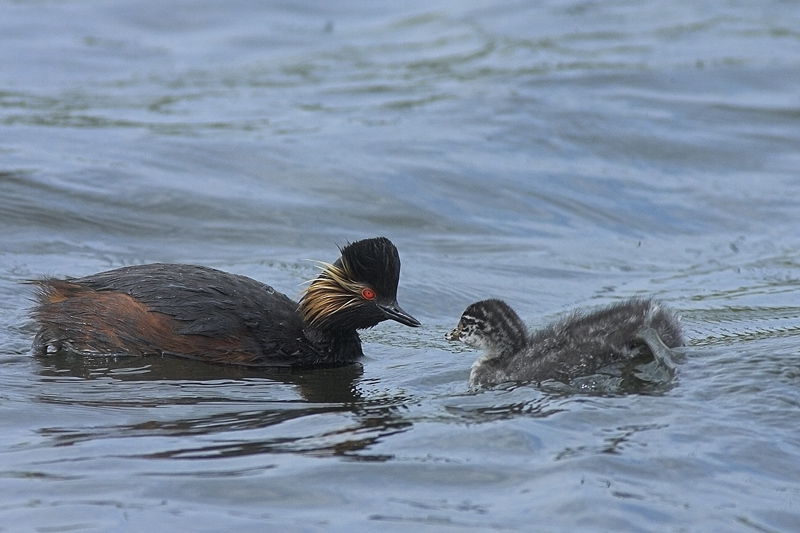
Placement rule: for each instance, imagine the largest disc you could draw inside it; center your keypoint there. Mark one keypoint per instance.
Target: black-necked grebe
(202, 313)
(577, 345)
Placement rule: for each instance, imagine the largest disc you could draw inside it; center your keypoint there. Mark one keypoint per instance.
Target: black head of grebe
(359, 289)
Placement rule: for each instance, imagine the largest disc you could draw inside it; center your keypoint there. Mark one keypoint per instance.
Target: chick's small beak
(453, 335)
(392, 310)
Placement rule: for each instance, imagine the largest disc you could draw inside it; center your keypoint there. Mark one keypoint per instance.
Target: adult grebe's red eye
(368, 293)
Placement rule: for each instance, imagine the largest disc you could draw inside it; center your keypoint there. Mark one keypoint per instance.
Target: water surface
(553, 154)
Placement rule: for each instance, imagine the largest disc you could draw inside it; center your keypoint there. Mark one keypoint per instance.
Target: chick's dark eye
(367, 293)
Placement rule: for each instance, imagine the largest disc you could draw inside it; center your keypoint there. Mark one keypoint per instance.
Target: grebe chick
(202, 313)
(577, 345)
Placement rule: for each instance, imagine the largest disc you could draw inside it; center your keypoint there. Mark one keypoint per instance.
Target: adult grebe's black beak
(392, 310)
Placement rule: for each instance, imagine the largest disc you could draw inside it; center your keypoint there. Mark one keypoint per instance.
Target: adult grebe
(202, 313)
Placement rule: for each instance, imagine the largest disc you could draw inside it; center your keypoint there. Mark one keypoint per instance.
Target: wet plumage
(577, 345)
(207, 314)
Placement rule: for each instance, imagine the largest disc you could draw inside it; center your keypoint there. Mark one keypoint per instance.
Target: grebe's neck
(333, 346)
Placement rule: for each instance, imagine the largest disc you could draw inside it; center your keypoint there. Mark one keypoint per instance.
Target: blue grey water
(556, 154)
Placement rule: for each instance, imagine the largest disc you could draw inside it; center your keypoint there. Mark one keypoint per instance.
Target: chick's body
(577, 345)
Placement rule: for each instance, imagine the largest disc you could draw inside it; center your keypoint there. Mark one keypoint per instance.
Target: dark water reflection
(248, 400)
(320, 385)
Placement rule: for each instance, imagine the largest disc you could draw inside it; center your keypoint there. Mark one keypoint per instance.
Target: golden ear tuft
(331, 292)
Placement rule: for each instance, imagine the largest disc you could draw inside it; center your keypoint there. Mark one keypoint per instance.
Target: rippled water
(554, 154)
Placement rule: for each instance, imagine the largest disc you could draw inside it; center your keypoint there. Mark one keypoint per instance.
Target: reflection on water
(250, 402)
(640, 375)
(337, 384)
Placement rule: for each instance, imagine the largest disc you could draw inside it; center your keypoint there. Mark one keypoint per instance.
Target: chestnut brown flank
(113, 322)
